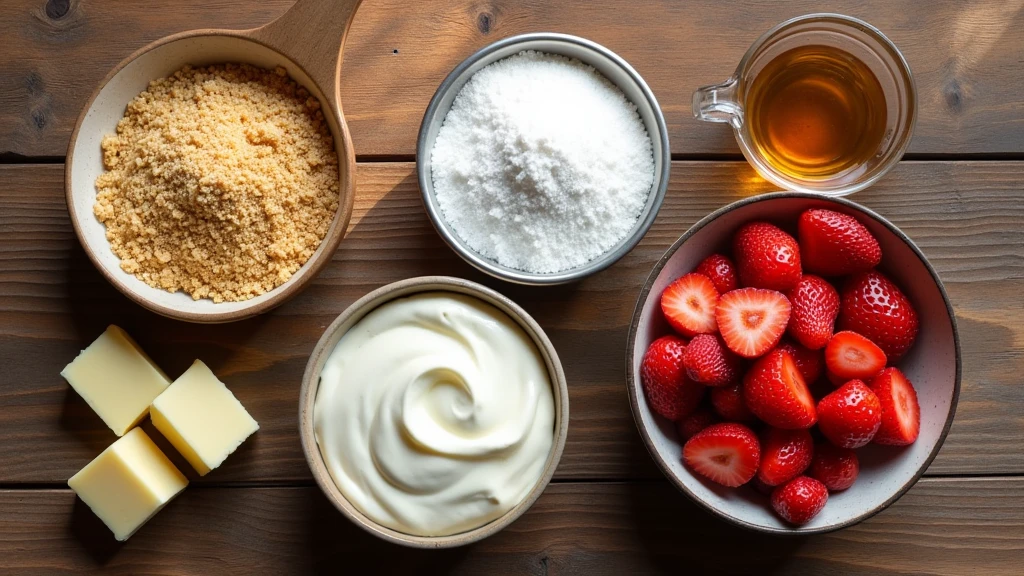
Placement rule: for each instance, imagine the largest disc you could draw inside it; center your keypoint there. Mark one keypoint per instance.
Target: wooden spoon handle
(312, 33)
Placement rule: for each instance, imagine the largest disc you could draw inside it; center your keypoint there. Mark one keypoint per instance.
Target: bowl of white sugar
(543, 158)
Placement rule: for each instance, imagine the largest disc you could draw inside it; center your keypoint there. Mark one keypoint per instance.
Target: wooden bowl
(932, 365)
(352, 315)
(307, 42)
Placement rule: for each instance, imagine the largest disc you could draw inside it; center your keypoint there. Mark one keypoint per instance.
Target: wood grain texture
(942, 526)
(966, 57)
(966, 216)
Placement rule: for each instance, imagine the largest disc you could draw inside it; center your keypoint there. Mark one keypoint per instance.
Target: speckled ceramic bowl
(932, 365)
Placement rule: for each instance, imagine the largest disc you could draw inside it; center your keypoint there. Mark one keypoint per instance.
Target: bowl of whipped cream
(433, 412)
(543, 158)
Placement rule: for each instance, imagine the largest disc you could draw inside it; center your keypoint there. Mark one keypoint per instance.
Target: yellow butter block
(117, 379)
(202, 418)
(128, 483)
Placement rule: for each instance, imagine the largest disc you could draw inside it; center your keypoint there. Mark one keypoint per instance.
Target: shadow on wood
(92, 534)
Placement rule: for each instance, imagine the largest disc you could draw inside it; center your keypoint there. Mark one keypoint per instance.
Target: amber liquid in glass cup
(821, 103)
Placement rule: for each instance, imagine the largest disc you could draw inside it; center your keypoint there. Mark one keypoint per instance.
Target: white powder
(542, 164)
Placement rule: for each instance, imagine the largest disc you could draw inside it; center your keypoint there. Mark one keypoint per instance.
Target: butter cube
(128, 483)
(117, 379)
(202, 418)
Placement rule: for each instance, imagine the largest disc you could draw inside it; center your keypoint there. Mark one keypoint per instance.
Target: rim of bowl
(520, 276)
(352, 315)
(632, 385)
(325, 251)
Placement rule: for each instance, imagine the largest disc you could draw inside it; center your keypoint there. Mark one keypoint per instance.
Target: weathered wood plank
(966, 216)
(966, 58)
(942, 526)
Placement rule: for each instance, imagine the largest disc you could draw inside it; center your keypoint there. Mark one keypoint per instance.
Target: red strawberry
(901, 414)
(729, 404)
(709, 362)
(689, 305)
(815, 307)
(836, 244)
(689, 427)
(725, 453)
(752, 320)
(776, 393)
(850, 416)
(835, 467)
(669, 392)
(808, 362)
(872, 306)
(850, 355)
(799, 500)
(785, 454)
(721, 271)
(766, 257)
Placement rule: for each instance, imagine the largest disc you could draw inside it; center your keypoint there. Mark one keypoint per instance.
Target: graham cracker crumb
(221, 182)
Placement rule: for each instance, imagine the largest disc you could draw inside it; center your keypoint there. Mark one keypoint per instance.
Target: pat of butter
(116, 379)
(128, 483)
(202, 418)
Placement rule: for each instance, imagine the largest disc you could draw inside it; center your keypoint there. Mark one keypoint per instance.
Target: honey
(815, 112)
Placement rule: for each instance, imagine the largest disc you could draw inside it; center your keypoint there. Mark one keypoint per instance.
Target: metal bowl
(614, 69)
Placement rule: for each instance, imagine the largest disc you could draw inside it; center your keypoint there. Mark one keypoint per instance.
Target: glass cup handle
(718, 103)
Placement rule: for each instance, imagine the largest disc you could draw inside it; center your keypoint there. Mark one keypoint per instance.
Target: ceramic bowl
(352, 315)
(609, 64)
(283, 42)
(932, 365)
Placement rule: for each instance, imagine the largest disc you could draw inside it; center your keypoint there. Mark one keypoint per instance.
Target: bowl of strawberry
(793, 363)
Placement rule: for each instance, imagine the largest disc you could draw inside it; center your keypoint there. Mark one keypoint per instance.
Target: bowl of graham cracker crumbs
(210, 177)
(219, 182)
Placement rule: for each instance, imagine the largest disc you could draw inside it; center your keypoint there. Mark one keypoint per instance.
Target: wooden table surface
(959, 195)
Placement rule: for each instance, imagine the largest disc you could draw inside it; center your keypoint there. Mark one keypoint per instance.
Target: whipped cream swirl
(435, 414)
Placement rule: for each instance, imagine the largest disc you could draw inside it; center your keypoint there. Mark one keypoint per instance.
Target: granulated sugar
(542, 164)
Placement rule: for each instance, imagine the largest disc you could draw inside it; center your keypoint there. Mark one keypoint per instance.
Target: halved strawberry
(689, 427)
(785, 454)
(669, 392)
(836, 244)
(776, 393)
(850, 416)
(901, 414)
(752, 320)
(809, 362)
(815, 307)
(766, 257)
(724, 453)
(850, 355)
(837, 468)
(709, 362)
(689, 305)
(799, 500)
(874, 307)
(721, 271)
(728, 403)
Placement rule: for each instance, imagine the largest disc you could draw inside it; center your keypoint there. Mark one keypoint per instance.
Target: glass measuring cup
(727, 102)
